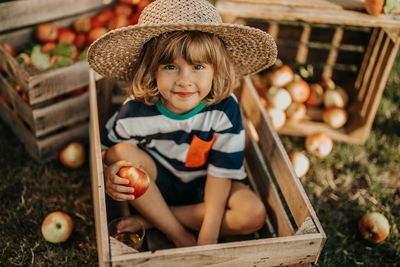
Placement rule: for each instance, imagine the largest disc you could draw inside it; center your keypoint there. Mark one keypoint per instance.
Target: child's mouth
(184, 94)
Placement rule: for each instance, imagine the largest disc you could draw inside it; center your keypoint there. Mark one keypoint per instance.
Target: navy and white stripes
(168, 137)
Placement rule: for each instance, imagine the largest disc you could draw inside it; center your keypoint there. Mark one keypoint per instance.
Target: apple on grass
(138, 179)
(73, 155)
(374, 227)
(57, 227)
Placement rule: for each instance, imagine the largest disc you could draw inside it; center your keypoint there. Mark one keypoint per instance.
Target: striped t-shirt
(206, 140)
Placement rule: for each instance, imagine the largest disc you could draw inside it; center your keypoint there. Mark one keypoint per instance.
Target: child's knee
(118, 152)
(253, 216)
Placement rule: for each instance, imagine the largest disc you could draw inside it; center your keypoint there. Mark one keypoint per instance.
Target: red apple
(46, 32)
(80, 40)
(278, 97)
(374, 227)
(142, 4)
(138, 179)
(337, 97)
(130, 2)
(264, 102)
(319, 144)
(277, 117)
(119, 21)
(73, 155)
(66, 35)
(57, 227)
(105, 15)
(327, 83)
(374, 7)
(95, 33)
(123, 9)
(280, 76)
(82, 24)
(316, 95)
(296, 111)
(10, 49)
(335, 117)
(135, 17)
(299, 90)
(259, 83)
(300, 162)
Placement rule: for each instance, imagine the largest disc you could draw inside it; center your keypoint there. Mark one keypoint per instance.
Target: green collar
(175, 116)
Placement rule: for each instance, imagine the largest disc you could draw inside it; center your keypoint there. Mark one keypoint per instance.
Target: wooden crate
(340, 40)
(287, 242)
(17, 14)
(42, 85)
(47, 117)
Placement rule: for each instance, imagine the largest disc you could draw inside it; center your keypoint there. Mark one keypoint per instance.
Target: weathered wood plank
(231, 11)
(263, 252)
(15, 14)
(96, 168)
(262, 182)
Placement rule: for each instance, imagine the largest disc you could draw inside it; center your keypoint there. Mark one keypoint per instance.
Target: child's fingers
(121, 196)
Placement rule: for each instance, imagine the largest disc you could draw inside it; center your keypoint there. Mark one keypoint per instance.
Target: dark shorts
(176, 192)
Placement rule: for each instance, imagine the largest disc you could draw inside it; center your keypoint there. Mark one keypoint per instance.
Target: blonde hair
(192, 46)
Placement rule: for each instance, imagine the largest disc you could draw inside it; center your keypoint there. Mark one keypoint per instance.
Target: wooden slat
(50, 147)
(263, 252)
(15, 14)
(289, 184)
(302, 51)
(324, 4)
(16, 101)
(333, 53)
(261, 180)
(98, 189)
(231, 11)
(47, 119)
(53, 117)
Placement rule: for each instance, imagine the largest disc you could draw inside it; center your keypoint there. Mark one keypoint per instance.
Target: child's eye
(169, 67)
(198, 67)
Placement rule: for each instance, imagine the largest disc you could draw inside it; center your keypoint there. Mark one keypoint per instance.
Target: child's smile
(183, 85)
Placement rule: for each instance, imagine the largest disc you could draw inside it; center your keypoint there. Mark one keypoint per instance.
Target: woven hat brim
(114, 54)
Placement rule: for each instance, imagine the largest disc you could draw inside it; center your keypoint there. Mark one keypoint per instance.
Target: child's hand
(115, 185)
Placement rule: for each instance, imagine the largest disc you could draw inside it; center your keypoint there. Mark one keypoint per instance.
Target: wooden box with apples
(292, 234)
(335, 62)
(44, 72)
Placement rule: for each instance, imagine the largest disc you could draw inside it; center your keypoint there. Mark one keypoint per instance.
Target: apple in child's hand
(73, 155)
(57, 227)
(374, 227)
(138, 179)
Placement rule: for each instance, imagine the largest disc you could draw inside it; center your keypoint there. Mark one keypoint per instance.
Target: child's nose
(184, 78)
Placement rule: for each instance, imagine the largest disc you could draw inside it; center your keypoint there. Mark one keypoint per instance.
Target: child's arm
(216, 193)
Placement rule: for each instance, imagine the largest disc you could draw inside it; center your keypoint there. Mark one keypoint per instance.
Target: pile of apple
(287, 96)
(56, 47)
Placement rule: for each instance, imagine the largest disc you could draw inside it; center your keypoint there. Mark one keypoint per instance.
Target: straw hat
(114, 54)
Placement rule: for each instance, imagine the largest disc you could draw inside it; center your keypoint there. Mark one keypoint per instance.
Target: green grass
(28, 192)
(352, 180)
(355, 179)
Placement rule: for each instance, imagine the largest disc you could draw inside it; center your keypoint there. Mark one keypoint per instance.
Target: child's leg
(151, 205)
(245, 212)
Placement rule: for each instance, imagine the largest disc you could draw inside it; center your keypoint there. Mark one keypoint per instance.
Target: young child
(182, 124)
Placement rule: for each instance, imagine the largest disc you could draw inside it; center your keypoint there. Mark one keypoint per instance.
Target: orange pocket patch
(198, 152)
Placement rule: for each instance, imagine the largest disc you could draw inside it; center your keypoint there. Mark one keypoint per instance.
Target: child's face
(182, 85)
